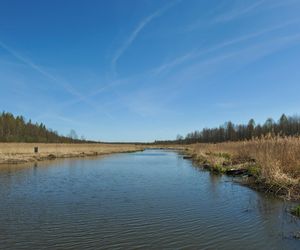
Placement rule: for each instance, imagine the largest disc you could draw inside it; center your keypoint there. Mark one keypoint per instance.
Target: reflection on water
(151, 199)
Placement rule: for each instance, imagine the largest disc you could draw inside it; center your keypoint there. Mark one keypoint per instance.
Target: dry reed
(277, 159)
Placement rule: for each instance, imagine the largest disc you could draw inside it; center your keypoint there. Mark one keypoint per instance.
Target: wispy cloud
(40, 70)
(196, 53)
(120, 51)
(239, 11)
(232, 61)
(151, 101)
(192, 66)
(279, 3)
(65, 85)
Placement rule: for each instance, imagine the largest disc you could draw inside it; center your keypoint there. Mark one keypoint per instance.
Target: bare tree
(73, 135)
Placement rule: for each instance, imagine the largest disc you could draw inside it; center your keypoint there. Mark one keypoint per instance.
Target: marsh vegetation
(273, 162)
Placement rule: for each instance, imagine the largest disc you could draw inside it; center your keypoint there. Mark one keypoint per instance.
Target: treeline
(285, 126)
(16, 129)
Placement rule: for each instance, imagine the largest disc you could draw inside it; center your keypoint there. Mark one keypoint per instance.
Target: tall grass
(277, 158)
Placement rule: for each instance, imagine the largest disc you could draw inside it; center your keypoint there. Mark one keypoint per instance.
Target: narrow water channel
(149, 200)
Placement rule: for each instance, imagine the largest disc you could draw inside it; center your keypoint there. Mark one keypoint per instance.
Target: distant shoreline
(17, 153)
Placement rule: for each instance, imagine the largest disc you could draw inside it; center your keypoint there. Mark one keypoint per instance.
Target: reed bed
(275, 161)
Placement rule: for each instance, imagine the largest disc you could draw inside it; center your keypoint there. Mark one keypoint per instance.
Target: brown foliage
(278, 158)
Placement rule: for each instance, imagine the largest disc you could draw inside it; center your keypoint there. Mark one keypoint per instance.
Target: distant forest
(16, 129)
(285, 126)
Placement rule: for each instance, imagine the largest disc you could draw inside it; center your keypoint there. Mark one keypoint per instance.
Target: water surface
(148, 200)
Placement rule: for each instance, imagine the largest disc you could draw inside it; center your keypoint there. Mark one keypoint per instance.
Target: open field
(273, 164)
(24, 152)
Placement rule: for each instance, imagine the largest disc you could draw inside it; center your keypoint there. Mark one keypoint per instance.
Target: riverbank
(76, 203)
(270, 165)
(15, 153)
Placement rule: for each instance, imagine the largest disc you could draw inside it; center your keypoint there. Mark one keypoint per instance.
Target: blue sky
(140, 70)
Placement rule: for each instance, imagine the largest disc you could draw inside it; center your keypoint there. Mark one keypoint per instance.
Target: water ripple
(145, 200)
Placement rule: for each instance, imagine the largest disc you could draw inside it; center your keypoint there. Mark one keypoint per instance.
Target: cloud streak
(136, 32)
(68, 87)
(234, 60)
(238, 12)
(194, 54)
(39, 69)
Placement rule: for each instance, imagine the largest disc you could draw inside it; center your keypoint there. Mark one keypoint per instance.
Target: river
(145, 200)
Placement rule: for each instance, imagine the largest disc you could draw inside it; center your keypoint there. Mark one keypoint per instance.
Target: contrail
(64, 84)
(136, 31)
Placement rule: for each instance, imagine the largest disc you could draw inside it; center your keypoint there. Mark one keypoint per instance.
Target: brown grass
(24, 152)
(274, 161)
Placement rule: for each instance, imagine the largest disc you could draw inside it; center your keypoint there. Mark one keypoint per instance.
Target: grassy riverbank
(12, 153)
(270, 164)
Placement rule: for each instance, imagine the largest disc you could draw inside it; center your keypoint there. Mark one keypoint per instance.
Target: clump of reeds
(278, 159)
